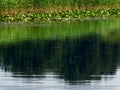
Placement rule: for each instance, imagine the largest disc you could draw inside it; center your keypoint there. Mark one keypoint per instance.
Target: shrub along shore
(59, 13)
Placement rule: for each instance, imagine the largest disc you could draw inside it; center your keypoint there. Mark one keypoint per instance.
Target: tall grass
(13, 4)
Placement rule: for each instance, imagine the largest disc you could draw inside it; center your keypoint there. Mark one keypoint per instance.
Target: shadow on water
(74, 60)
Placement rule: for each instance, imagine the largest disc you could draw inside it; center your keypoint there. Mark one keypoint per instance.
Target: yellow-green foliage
(10, 4)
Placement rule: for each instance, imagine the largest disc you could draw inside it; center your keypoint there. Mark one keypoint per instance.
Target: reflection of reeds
(61, 31)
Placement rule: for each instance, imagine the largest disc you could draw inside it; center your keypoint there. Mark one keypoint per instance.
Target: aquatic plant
(62, 15)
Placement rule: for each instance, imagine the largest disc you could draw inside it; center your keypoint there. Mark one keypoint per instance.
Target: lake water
(82, 55)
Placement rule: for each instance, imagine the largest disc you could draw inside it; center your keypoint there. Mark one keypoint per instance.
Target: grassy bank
(61, 15)
(49, 10)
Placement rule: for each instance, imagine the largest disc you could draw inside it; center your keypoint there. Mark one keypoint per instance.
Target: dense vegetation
(51, 3)
(62, 15)
(37, 10)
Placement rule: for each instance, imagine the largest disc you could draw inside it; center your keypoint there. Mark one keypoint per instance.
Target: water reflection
(88, 58)
(79, 60)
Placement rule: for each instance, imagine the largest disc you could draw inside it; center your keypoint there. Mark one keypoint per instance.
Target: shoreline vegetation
(57, 10)
(64, 15)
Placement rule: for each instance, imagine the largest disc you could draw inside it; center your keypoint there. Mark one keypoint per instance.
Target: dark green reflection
(73, 59)
(88, 56)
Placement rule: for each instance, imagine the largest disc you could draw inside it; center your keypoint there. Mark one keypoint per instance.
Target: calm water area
(80, 55)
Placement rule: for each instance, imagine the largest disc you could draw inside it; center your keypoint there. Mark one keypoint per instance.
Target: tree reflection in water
(73, 59)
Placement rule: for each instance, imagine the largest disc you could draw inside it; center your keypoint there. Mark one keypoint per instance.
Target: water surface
(83, 55)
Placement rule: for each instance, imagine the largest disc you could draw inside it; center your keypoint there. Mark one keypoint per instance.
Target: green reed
(13, 4)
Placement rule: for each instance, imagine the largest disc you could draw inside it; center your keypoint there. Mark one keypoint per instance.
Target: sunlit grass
(51, 3)
(26, 6)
